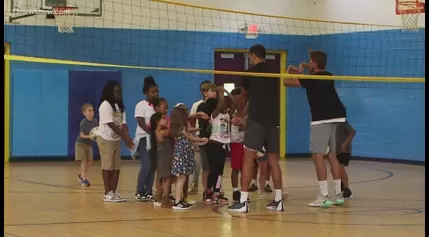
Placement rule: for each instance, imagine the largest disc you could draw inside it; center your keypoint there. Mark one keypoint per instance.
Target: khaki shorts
(110, 153)
(83, 152)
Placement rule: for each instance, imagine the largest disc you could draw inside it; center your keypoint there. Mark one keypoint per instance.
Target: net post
(7, 104)
(283, 109)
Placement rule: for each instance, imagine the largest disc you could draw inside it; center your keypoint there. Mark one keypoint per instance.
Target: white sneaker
(321, 201)
(117, 196)
(110, 197)
(157, 204)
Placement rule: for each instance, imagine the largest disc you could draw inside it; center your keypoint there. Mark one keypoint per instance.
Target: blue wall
(382, 113)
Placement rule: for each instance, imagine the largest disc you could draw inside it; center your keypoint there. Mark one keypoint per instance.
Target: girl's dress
(164, 158)
(183, 157)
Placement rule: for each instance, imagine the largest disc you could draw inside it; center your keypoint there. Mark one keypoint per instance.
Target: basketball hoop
(410, 11)
(64, 18)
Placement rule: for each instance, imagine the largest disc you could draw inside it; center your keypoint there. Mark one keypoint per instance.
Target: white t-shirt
(221, 128)
(108, 115)
(194, 111)
(143, 110)
(237, 136)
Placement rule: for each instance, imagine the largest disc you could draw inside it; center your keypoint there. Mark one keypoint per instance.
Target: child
(143, 111)
(237, 151)
(112, 128)
(220, 136)
(209, 91)
(183, 155)
(195, 176)
(83, 152)
(162, 152)
(345, 134)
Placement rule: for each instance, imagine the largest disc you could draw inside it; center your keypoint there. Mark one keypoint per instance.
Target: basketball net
(410, 13)
(65, 18)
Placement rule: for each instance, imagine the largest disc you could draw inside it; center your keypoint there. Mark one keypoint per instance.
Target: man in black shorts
(261, 127)
(327, 113)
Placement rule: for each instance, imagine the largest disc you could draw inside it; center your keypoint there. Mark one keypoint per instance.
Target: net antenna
(410, 10)
(65, 17)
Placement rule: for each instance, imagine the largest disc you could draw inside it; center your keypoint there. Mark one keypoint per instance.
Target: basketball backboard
(86, 7)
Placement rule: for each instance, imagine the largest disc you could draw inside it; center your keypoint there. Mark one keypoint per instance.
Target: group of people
(173, 149)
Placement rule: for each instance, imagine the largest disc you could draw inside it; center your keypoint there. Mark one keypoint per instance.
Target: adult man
(327, 112)
(261, 127)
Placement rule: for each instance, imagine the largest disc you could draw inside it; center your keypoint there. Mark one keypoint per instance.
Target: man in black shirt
(327, 112)
(261, 127)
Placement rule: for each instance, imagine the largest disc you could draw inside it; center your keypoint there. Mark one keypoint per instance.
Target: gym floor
(45, 199)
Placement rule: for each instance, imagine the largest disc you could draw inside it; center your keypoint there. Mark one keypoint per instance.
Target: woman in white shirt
(143, 111)
(112, 129)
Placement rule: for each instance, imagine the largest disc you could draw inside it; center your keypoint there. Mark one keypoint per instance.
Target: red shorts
(237, 153)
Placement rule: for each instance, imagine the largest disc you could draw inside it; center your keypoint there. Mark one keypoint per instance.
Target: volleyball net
(173, 37)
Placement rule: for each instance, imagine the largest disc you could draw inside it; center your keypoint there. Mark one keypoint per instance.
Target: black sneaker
(347, 193)
(236, 196)
(181, 206)
(268, 189)
(149, 197)
(253, 188)
(276, 206)
(239, 207)
(86, 183)
(141, 197)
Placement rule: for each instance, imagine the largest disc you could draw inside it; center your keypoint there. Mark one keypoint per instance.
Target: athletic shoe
(141, 197)
(253, 188)
(79, 178)
(110, 197)
(339, 199)
(208, 196)
(149, 197)
(86, 183)
(347, 194)
(189, 201)
(171, 198)
(321, 201)
(276, 206)
(239, 207)
(181, 206)
(157, 203)
(236, 196)
(268, 189)
(118, 196)
(219, 199)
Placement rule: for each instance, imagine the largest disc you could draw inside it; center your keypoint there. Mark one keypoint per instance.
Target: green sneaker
(321, 201)
(339, 199)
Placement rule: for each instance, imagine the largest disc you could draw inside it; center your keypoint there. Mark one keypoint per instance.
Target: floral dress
(183, 157)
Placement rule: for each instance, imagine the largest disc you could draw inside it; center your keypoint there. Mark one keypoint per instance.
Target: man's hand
(203, 115)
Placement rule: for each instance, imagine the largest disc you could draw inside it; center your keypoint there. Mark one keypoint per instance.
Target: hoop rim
(416, 7)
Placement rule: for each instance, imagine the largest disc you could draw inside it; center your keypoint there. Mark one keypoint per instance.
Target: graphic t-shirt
(221, 128)
(108, 115)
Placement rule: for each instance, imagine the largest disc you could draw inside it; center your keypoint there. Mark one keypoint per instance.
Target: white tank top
(221, 128)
